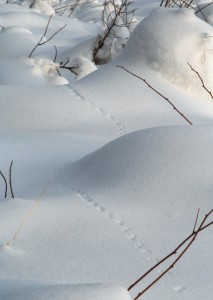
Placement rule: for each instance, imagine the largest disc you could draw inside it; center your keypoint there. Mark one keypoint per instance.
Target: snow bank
(167, 40)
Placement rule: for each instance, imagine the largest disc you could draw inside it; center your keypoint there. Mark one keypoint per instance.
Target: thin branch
(56, 53)
(169, 255)
(203, 85)
(10, 179)
(194, 235)
(198, 211)
(5, 181)
(165, 98)
(53, 35)
(200, 9)
(71, 69)
(40, 43)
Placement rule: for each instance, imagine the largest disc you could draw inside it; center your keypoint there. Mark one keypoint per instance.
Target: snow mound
(158, 171)
(18, 38)
(144, 154)
(59, 292)
(169, 39)
(83, 66)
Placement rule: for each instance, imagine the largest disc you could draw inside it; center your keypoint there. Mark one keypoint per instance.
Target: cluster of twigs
(10, 181)
(110, 15)
(179, 3)
(184, 245)
(68, 66)
(71, 7)
(164, 97)
(187, 4)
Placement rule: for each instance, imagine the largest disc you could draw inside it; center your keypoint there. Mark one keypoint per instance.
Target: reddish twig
(203, 85)
(198, 211)
(165, 98)
(169, 255)
(192, 236)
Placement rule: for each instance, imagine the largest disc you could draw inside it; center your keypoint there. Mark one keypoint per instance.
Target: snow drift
(167, 40)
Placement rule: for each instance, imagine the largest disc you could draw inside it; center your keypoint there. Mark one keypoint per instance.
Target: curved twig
(165, 98)
(5, 181)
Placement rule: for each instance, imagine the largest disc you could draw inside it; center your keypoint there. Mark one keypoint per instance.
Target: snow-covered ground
(107, 175)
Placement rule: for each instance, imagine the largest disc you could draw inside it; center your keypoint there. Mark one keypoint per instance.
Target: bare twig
(56, 54)
(200, 9)
(64, 65)
(192, 236)
(203, 85)
(168, 256)
(165, 98)
(198, 211)
(5, 181)
(10, 179)
(40, 43)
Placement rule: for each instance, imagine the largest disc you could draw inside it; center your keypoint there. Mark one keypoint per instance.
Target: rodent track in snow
(118, 124)
(119, 223)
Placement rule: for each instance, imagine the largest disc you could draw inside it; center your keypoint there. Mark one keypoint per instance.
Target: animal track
(119, 223)
(118, 124)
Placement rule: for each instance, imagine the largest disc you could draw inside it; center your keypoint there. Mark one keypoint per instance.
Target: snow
(107, 176)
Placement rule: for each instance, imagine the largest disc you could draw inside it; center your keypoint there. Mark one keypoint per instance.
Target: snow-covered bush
(42, 6)
(118, 22)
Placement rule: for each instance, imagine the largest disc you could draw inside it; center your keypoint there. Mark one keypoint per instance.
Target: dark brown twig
(203, 85)
(165, 98)
(200, 9)
(193, 236)
(10, 179)
(5, 181)
(64, 65)
(40, 43)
